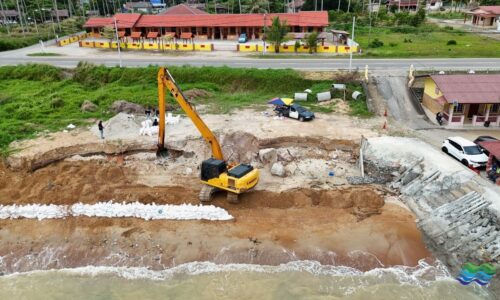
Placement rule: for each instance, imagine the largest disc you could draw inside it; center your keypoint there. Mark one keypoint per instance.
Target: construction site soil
(304, 215)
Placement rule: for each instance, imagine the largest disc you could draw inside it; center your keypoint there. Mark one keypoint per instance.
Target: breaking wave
(420, 274)
(206, 280)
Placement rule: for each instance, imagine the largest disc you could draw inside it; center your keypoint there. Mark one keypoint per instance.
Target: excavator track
(233, 198)
(206, 193)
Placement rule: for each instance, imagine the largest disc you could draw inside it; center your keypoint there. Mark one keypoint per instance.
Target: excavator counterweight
(216, 174)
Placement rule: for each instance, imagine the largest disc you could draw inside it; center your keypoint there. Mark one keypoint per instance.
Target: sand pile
(122, 126)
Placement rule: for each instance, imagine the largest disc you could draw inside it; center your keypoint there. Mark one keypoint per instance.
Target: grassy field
(446, 15)
(16, 38)
(45, 54)
(423, 42)
(404, 42)
(35, 98)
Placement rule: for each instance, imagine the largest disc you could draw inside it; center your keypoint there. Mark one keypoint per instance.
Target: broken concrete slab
(284, 155)
(278, 169)
(268, 155)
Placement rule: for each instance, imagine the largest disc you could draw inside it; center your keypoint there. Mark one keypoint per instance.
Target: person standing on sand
(101, 129)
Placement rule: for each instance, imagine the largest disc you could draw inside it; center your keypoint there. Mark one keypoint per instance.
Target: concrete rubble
(268, 156)
(277, 169)
(457, 211)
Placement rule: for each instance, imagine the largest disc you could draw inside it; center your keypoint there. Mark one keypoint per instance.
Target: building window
(458, 108)
(495, 108)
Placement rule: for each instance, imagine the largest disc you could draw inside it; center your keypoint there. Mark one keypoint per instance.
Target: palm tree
(258, 6)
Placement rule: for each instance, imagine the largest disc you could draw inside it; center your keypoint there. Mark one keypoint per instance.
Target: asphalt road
(397, 65)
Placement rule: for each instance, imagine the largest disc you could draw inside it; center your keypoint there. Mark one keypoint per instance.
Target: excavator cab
(216, 174)
(212, 168)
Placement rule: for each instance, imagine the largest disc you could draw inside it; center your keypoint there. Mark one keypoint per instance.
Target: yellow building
(465, 99)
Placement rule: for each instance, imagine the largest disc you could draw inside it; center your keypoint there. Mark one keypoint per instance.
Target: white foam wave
(422, 274)
(112, 209)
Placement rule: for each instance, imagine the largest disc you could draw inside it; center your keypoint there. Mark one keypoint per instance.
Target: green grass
(34, 98)
(428, 40)
(45, 54)
(426, 43)
(16, 38)
(446, 15)
(297, 56)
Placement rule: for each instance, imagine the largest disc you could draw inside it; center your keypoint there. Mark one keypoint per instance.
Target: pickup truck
(294, 111)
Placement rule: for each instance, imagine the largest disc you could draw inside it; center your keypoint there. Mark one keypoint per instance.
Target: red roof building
(182, 18)
(123, 21)
(465, 98)
(182, 10)
(484, 15)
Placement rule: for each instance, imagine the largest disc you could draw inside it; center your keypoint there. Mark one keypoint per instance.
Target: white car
(465, 151)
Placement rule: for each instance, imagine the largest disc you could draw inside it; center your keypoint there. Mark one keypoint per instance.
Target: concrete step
(472, 186)
(457, 193)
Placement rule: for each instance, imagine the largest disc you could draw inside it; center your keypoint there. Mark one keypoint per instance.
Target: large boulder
(268, 156)
(278, 170)
(88, 106)
(127, 107)
(284, 155)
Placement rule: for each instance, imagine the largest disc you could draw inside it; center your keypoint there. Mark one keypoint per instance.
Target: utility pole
(118, 42)
(315, 5)
(264, 35)
(352, 39)
(321, 5)
(370, 17)
(239, 2)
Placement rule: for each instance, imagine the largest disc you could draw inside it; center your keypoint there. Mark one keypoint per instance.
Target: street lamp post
(264, 35)
(118, 42)
(352, 42)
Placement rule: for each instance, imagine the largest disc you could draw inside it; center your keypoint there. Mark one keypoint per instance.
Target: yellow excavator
(216, 173)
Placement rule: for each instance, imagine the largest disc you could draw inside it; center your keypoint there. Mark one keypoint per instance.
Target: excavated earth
(304, 215)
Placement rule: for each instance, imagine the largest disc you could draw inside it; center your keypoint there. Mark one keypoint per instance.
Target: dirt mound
(121, 126)
(308, 141)
(366, 203)
(127, 107)
(88, 106)
(84, 181)
(239, 146)
(196, 93)
(361, 202)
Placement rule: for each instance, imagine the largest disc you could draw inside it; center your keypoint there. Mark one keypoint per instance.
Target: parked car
(484, 138)
(465, 151)
(243, 38)
(294, 111)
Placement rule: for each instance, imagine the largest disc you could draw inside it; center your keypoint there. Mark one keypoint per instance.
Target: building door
(473, 109)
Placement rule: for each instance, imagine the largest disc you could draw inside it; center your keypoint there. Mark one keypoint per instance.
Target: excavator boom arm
(165, 80)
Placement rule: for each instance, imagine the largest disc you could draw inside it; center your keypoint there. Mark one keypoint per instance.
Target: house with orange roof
(484, 15)
(183, 19)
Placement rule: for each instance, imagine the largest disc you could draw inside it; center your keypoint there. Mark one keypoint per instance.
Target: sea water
(205, 280)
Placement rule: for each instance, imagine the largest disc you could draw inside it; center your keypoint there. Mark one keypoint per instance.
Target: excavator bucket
(161, 152)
